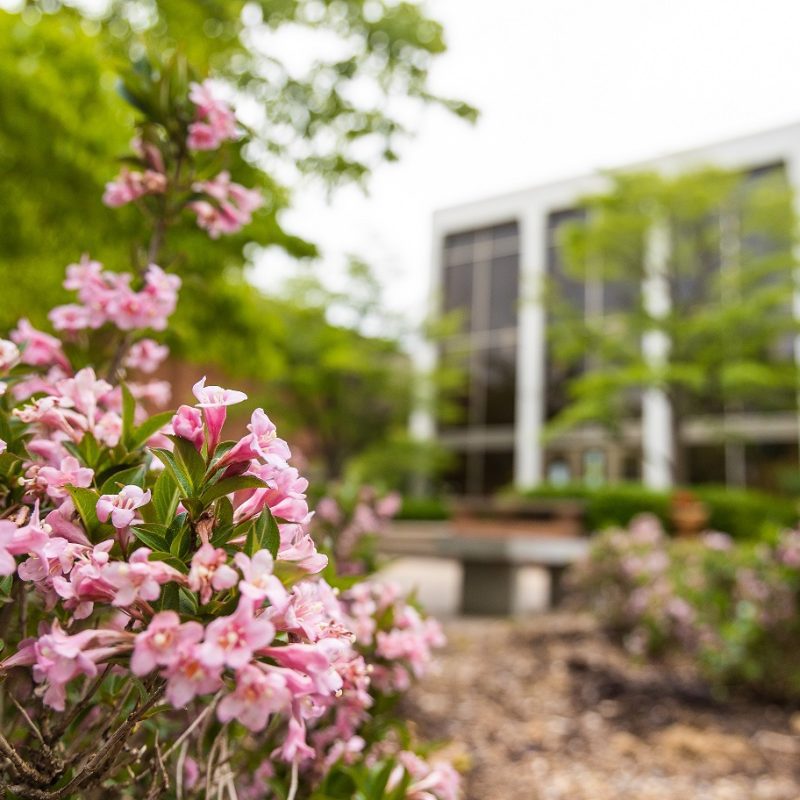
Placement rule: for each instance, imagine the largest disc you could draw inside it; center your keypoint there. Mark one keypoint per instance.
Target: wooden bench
(491, 567)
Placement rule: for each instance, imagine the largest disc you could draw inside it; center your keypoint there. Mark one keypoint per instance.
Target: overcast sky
(564, 87)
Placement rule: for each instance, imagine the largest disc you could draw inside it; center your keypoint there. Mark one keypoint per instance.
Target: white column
(531, 347)
(657, 452)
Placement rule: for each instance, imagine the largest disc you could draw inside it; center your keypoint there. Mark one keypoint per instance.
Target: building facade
(491, 259)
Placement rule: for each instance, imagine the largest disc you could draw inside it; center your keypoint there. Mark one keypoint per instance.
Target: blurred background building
(490, 261)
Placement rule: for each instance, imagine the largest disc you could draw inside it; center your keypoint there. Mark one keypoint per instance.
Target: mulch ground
(549, 709)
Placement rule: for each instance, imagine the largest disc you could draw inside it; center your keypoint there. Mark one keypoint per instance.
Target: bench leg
(555, 588)
(488, 588)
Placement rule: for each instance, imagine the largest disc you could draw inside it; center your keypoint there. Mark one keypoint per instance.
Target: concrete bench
(491, 566)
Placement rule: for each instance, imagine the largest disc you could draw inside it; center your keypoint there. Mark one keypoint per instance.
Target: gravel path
(547, 709)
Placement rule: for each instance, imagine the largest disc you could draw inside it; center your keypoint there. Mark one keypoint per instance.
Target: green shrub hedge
(423, 508)
(744, 514)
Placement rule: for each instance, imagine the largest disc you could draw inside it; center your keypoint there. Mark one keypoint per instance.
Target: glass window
(498, 470)
(458, 291)
(500, 372)
(503, 292)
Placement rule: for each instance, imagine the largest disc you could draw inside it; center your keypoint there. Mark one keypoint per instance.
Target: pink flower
(233, 640)
(188, 424)
(70, 473)
(9, 355)
(70, 317)
(265, 439)
(38, 348)
(214, 401)
(60, 658)
(259, 582)
(84, 391)
(7, 563)
(130, 186)
(298, 546)
(122, 507)
(295, 747)
(138, 578)
(284, 494)
(162, 642)
(233, 209)
(259, 692)
(146, 355)
(190, 674)
(216, 122)
(210, 571)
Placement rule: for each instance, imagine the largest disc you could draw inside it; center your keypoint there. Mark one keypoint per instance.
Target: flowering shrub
(731, 607)
(347, 522)
(166, 630)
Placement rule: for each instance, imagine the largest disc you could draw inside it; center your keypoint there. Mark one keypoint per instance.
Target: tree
(63, 123)
(700, 266)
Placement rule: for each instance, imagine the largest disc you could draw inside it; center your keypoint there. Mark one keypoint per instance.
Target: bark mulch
(549, 709)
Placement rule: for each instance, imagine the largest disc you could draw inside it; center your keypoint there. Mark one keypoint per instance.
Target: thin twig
(179, 771)
(204, 713)
(293, 784)
(31, 724)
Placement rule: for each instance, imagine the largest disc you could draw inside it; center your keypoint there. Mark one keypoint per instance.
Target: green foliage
(728, 274)
(743, 514)
(731, 608)
(423, 508)
(63, 124)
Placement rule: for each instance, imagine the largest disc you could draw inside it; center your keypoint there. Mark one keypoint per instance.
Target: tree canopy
(725, 277)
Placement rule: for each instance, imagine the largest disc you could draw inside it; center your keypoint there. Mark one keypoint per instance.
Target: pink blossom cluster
(130, 186)
(107, 297)
(232, 208)
(343, 527)
(215, 122)
(398, 638)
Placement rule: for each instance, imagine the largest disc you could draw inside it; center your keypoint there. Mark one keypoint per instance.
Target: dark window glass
(504, 231)
(706, 463)
(500, 371)
(458, 291)
(772, 466)
(498, 470)
(455, 478)
(503, 292)
(619, 296)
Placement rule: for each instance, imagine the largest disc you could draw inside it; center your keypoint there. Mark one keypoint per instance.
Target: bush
(731, 607)
(423, 508)
(743, 514)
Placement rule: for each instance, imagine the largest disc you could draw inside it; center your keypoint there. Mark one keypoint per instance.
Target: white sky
(564, 87)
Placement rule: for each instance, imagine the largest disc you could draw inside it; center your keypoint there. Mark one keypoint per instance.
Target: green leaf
(86, 503)
(133, 476)
(152, 535)
(176, 470)
(251, 543)
(128, 413)
(180, 540)
(150, 426)
(89, 451)
(224, 512)
(168, 558)
(165, 497)
(193, 464)
(230, 485)
(170, 596)
(188, 601)
(268, 532)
